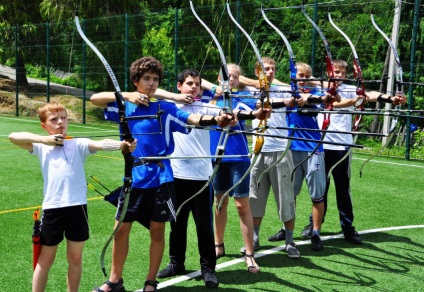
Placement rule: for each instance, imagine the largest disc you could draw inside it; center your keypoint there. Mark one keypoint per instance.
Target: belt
(148, 161)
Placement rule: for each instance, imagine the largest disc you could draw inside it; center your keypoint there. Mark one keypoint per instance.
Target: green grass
(390, 193)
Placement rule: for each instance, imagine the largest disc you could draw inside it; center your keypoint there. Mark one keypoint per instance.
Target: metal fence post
(176, 29)
(314, 38)
(84, 76)
(48, 61)
(16, 74)
(126, 68)
(238, 33)
(411, 76)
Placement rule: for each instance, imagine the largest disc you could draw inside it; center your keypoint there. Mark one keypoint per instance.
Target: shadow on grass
(385, 262)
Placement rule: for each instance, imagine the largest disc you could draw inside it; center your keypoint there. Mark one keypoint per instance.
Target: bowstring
(251, 33)
(70, 55)
(211, 42)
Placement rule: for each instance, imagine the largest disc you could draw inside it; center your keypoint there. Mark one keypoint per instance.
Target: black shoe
(307, 231)
(210, 279)
(316, 243)
(279, 236)
(171, 270)
(352, 236)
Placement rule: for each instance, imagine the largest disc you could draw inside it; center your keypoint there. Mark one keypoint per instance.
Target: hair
(264, 60)
(143, 65)
(52, 106)
(235, 67)
(188, 72)
(341, 64)
(304, 68)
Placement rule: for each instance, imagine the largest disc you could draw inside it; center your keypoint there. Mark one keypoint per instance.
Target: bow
(126, 135)
(399, 91)
(224, 82)
(294, 88)
(264, 97)
(360, 90)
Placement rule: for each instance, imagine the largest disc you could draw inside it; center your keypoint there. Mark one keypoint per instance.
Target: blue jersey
(237, 144)
(308, 120)
(154, 138)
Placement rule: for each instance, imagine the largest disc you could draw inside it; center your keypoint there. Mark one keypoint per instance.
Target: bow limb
(399, 91)
(328, 58)
(293, 67)
(263, 80)
(126, 134)
(360, 87)
(294, 87)
(228, 108)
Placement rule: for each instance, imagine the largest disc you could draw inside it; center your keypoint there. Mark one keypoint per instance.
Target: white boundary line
(271, 251)
(392, 163)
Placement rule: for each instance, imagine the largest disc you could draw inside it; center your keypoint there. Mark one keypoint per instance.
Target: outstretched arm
(222, 120)
(111, 145)
(177, 97)
(25, 140)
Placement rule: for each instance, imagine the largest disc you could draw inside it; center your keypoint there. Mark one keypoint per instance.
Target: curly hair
(143, 65)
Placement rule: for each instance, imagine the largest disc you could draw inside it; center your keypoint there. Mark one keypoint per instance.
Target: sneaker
(352, 236)
(316, 243)
(256, 246)
(307, 231)
(210, 279)
(171, 270)
(292, 251)
(279, 236)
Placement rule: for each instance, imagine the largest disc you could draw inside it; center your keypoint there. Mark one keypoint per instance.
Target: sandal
(114, 287)
(221, 245)
(253, 268)
(152, 283)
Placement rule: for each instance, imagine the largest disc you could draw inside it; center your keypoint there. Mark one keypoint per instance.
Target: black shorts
(70, 222)
(145, 205)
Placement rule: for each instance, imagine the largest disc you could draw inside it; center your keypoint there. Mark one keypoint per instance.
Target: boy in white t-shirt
(65, 190)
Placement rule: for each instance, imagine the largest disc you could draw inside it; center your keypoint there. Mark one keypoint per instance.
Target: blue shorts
(71, 222)
(228, 174)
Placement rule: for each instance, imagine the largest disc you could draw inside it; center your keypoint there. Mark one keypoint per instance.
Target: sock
(256, 233)
(289, 236)
(315, 232)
